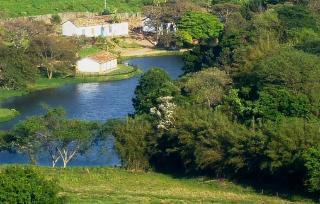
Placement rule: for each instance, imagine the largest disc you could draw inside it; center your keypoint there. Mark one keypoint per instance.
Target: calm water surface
(88, 101)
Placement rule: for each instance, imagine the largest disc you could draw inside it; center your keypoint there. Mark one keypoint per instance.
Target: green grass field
(38, 7)
(7, 114)
(113, 185)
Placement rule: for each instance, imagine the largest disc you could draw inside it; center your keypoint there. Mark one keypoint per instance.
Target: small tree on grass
(55, 54)
(74, 138)
(62, 138)
(53, 120)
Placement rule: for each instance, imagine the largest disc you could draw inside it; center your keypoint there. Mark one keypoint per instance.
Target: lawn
(38, 7)
(113, 185)
(7, 114)
(89, 51)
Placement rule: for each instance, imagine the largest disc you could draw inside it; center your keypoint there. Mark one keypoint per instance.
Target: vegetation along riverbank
(124, 72)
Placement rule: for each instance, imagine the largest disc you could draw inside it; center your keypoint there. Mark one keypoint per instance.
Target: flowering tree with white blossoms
(164, 112)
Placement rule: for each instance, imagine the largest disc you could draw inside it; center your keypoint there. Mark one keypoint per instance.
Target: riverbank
(124, 72)
(114, 185)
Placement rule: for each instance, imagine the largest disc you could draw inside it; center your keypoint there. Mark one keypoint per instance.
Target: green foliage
(206, 87)
(131, 142)
(200, 26)
(296, 20)
(54, 54)
(154, 84)
(54, 134)
(312, 164)
(23, 138)
(55, 19)
(274, 103)
(201, 56)
(293, 70)
(296, 17)
(24, 185)
(199, 142)
(16, 69)
(310, 46)
(286, 142)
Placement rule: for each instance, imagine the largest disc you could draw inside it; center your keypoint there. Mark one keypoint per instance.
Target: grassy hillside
(110, 185)
(38, 7)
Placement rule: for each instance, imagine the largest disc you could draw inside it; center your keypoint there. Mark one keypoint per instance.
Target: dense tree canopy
(152, 85)
(200, 26)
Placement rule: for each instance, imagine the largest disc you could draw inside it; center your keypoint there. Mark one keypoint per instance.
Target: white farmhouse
(100, 63)
(94, 27)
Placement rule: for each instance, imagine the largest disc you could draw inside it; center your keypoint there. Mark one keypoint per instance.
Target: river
(88, 101)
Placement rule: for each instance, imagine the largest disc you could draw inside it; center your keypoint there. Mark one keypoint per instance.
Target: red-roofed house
(100, 63)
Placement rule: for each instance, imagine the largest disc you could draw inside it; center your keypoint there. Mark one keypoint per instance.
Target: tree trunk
(65, 163)
(54, 160)
(49, 74)
(32, 158)
(66, 157)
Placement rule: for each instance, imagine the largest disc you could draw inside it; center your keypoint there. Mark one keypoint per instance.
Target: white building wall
(90, 31)
(88, 65)
(108, 66)
(69, 29)
(120, 29)
(107, 30)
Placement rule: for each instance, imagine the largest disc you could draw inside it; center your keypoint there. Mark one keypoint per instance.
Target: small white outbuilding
(94, 27)
(100, 63)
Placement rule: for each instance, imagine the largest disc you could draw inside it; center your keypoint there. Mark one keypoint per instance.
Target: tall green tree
(312, 164)
(23, 138)
(207, 87)
(154, 84)
(200, 26)
(55, 54)
(17, 69)
(131, 141)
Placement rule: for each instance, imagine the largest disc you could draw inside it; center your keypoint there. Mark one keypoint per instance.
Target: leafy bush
(24, 185)
(296, 17)
(131, 142)
(312, 164)
(152, 85)
(55, 19)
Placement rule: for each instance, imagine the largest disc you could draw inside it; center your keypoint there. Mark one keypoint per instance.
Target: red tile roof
(103, 57)
(93, 21)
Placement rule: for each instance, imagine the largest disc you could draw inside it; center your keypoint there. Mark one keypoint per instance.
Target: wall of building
(88, 65)
(116, 29)
(107, 30)
(68, 29)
